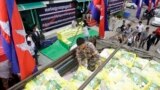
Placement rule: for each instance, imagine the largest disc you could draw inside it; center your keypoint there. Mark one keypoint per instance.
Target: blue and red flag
(151, 3)
(156, 3)
(13, 39)
(99, 13)
(139, 3)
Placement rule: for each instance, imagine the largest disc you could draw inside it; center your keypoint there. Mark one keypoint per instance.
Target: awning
(28, 6)
(83, 0)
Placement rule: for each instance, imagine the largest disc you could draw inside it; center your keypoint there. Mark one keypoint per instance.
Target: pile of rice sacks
(125, 71)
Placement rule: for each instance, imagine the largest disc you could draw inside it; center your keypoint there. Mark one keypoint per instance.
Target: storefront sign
(56, 15)
(115, 6)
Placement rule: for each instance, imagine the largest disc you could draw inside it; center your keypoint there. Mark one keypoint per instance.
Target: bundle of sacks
(125, 71)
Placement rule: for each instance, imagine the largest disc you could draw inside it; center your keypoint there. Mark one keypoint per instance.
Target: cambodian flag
(13, 39)
(139, 4)
(150, 3)
(156, 3)
(99, 13)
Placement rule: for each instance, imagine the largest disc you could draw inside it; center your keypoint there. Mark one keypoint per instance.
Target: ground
(43, 60)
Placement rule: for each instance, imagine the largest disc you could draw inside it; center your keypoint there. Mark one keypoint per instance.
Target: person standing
(128, 30)
(86, 54)
(140, 28)
(32, 51)
(29, 38)
(123, 26)
(130, 41)
(36, 37)
(143, 37)
(113, 21)
(151, 40)
(135, 42)
(149, 15)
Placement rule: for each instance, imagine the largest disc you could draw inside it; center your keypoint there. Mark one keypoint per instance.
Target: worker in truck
(86, 54)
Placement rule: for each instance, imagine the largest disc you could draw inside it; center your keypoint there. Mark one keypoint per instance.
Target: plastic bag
(47, 80)
(80, 76)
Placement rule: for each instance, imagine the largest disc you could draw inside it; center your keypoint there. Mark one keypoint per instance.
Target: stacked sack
(125, 71)
(48, 80)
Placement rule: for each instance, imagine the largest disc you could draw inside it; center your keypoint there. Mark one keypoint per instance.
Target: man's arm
(93, 48)
(78, 56)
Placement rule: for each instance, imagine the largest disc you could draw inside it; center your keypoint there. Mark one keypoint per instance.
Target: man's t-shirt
(140, 27)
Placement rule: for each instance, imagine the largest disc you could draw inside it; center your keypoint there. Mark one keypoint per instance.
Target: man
(32, 51)
(143, 37)
(113, 20)
(123, 27)
(86, 54)
(140, 28)
(127, 31)
(149, 15)
(130, 41)
(151, 40)
(36, 37)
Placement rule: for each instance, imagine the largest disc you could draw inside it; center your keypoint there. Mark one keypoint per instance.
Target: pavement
(134, 21)
(43, 60)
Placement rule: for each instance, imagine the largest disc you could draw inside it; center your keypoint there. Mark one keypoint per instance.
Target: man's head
(129, 25)
(80, 42)
(140, 22)
(147, 29)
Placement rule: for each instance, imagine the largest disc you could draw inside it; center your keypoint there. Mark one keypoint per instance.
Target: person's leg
(36, 60)
(157, 39)
(91, 64)
(148, 21)
(140, 44)
(143, 43)
(1, 85)
(148, 46)
(137, 37)
(129, 44)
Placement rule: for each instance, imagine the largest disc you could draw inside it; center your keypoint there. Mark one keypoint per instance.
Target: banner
(56, 15)
(115, 6)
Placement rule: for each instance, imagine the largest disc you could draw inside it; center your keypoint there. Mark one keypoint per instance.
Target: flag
(156, 3)
(7, 43)
(146, 2)
(150, 5)
(139, 4)
(13, 36)
(99, 13)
